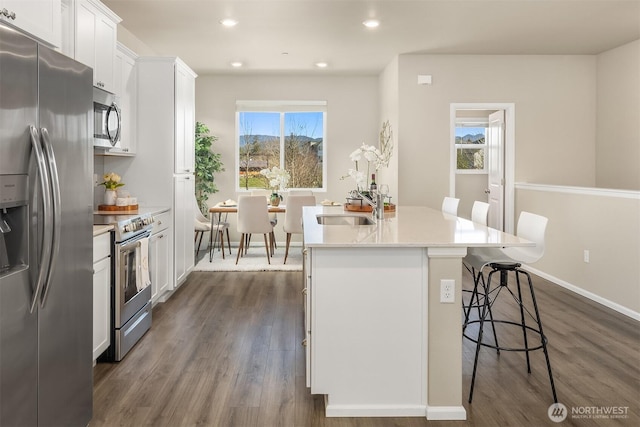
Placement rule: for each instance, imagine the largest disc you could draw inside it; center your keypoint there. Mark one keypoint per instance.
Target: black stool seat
(505, 265)
(485, 299)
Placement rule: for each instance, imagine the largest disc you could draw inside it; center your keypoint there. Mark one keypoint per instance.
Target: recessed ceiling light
(236, 64)
(229, 22)
(322, 64)
(371, 23)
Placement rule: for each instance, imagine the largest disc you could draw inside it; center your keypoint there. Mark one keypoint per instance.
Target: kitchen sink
(344, 220)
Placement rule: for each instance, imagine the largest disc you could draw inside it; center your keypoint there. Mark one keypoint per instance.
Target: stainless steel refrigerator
(46, 197)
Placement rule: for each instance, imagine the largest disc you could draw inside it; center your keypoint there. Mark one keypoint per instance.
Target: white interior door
(495, 154)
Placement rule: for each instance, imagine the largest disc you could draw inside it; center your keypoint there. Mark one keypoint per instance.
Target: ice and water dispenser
(14, 217)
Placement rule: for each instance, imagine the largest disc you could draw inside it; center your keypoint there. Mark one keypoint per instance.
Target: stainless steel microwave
(107, 119)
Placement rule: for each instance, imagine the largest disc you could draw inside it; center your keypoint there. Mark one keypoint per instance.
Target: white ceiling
(309, 31)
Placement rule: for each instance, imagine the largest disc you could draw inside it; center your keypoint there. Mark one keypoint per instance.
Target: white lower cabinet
(367, 336)
(306, 304)
(159, 255)
(183, 223)
(101, 293)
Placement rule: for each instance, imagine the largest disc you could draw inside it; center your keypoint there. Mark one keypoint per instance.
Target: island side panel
(445, 337)
(368, 330)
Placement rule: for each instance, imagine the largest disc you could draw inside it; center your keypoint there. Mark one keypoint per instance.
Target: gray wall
(618, 119)
(555, 104)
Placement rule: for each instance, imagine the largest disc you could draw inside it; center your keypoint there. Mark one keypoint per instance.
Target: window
(471, 146)
(288, 135)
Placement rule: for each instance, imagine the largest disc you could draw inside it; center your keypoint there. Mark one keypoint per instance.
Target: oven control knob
(125, 228)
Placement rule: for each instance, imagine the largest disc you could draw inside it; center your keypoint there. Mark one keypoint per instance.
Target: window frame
(478, 122)
(281, 107)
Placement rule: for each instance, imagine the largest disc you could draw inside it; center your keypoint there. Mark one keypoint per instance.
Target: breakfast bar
(378, 339)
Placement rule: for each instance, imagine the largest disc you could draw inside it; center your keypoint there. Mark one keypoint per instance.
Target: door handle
(487, 191)
(54, 180)
(47, 217)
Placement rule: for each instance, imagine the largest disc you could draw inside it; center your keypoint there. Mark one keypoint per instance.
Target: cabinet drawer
(161, 221)
(101, 246)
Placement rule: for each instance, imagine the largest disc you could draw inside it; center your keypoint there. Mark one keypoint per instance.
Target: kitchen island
(379, 341)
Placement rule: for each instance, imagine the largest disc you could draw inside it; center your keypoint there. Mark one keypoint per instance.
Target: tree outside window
(292, 140)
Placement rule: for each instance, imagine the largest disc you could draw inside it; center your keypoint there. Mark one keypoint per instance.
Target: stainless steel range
(131, 292)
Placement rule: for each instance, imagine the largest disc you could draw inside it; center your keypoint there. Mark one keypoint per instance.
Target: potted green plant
(208, 163)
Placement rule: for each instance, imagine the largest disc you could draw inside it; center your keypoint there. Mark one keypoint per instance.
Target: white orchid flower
(356, 156)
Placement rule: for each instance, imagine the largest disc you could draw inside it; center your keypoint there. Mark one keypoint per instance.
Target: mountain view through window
(289, 140)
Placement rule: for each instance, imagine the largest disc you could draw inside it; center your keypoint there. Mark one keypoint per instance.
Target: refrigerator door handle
(54, 181)
(47, 217)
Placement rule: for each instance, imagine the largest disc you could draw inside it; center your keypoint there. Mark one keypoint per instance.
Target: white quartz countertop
(409, 226)
(101, 229)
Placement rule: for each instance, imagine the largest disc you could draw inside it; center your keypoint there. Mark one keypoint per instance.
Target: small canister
(122, 201)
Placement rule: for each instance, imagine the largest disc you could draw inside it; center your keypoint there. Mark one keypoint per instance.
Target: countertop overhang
(409, 226)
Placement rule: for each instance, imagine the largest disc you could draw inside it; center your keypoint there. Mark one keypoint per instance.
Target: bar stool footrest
(500, 348)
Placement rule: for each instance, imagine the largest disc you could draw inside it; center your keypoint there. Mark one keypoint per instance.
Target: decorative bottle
(373, 187)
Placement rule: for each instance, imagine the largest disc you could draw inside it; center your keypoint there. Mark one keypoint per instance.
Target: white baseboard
(590, 295)
(375, 410)
(446, 413)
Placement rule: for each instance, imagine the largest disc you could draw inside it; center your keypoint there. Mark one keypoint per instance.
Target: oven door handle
(134, 241)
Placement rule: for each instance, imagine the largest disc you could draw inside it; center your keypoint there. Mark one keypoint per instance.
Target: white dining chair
(203, 225)
(253, 217)
(273, 217)
(450, 205)
(293, 217)
(502, 261)
(480, 212)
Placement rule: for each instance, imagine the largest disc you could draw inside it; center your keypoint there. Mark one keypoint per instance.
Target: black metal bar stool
(485, 294)
(490, 297)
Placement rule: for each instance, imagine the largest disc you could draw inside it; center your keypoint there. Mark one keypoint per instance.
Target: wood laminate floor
(225, 351)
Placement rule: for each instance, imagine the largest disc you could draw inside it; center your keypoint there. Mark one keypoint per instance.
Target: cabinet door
(159, 268)
(95, 44)
(101, 306)
(105, 53)
(85, 40)
(185, 121)
(306, 304)
(184, 257)
(40, 18)
(126, 86)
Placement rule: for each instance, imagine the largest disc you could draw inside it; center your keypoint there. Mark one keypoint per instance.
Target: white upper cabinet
(39, 18)
(95, 41)
(126, 88)
(185, 119)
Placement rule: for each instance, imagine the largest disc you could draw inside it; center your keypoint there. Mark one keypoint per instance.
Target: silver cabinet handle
(10, 15)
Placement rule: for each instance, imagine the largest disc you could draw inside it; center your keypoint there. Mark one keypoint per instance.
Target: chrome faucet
(378, 205)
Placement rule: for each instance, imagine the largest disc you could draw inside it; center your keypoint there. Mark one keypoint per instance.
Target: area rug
(254, 260)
